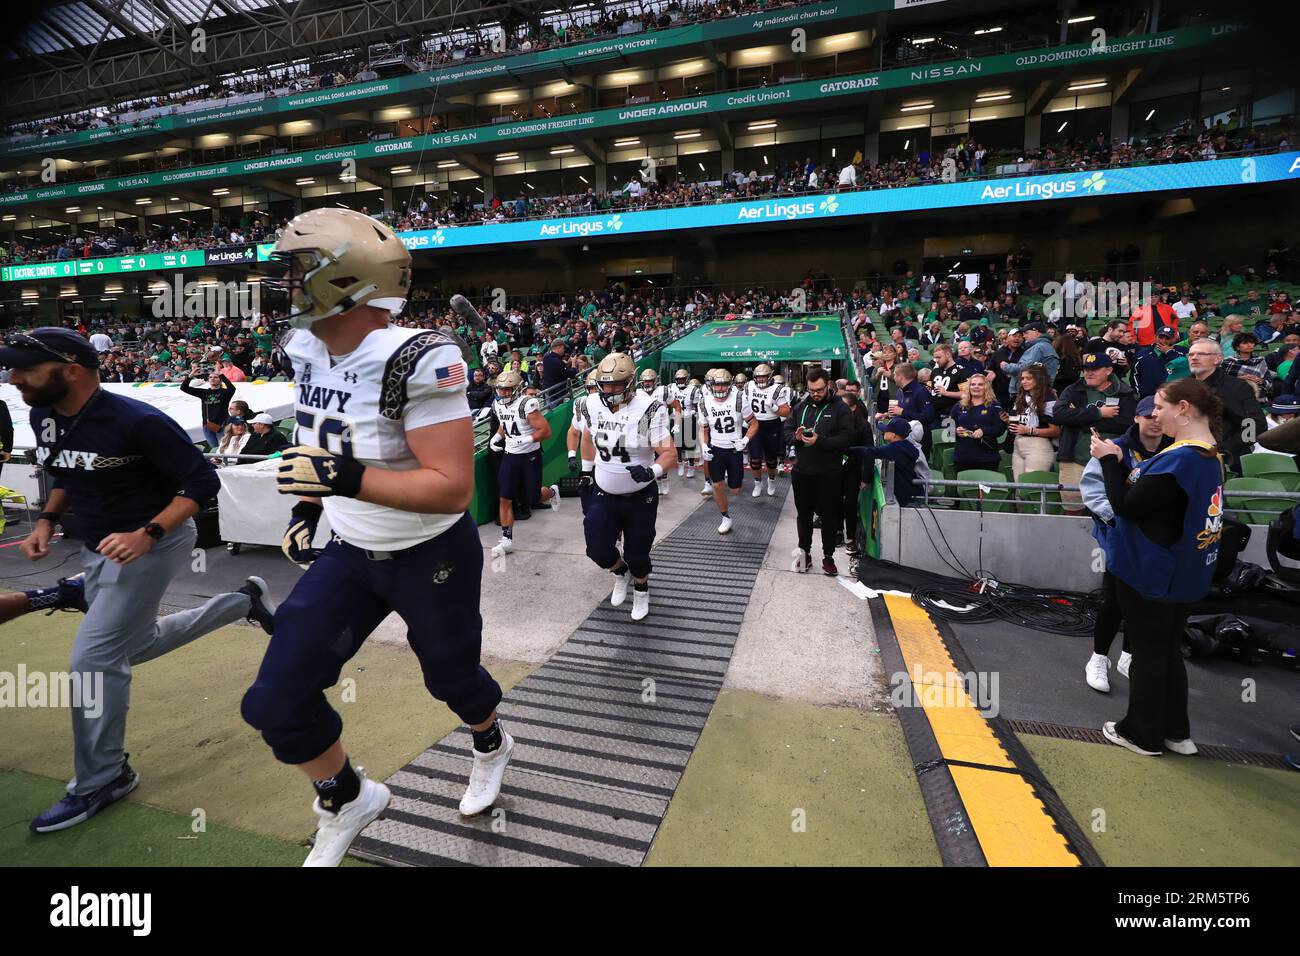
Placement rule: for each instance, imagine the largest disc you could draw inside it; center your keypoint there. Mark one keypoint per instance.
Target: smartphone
(1112, 402)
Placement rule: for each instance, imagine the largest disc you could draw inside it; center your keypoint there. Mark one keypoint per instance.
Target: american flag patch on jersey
(451, 375)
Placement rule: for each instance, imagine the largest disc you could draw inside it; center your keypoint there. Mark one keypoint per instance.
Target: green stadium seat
(1032, 498)
(1254, 510)
(1279, 468)
(997, 499)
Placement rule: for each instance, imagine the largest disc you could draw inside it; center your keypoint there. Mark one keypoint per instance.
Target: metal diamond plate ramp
(604, 729)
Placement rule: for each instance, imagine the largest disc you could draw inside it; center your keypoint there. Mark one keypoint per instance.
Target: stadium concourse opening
(746, 433)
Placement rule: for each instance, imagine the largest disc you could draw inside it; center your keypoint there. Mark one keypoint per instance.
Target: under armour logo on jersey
(350, 377)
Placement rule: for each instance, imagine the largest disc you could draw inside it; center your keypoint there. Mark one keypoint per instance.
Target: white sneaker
(336, 831)
(690, 471)
(771, 487)
(640, 603)
(554, 501)
(1185, 747)
(758, 488)
(1097, 673)
(485, 778)
(802, 560)
(1114, 736)
(619, 594)
(707, 489)
(664, 487)
(725, 527)
(1125, 659)
(504, 547)
(681, 469)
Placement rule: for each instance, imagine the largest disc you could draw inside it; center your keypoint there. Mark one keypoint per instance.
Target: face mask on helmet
(721, 388)
(682, 380)
(616, 394)
(648, 384)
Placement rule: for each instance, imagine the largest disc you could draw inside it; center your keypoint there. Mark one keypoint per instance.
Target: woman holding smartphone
(1162, 553)
(1031, 424)
(978, 421)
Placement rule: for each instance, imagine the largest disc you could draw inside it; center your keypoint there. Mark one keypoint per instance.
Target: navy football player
(686, 394)
(769, 402)
(522, 430)
(726, 427)
(385, 449)
(663, 394)
(627, 444)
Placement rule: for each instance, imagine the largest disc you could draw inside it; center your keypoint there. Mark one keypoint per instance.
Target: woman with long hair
(882, 376)
(1162, 553)
(1067, 373)
(1031, 424)
(233, 442)
(978, 420)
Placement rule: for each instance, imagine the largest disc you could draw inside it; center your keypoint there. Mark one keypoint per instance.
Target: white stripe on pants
(122, 628)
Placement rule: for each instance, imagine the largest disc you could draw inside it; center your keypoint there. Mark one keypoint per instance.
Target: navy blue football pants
(632, 516)
(336, 605)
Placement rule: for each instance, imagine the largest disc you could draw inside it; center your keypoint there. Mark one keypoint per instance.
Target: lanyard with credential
(803, 420)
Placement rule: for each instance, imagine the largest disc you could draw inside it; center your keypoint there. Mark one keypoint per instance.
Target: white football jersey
(763, 402)
(362, 404)
(513, 416)
(623, 438)
(726, 418)
(689, 395)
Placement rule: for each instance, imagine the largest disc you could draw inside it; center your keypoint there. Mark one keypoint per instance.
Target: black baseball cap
(27, 349)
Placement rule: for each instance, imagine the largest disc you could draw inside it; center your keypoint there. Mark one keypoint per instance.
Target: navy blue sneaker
(73, 809)
(68, 595)
(261, 607)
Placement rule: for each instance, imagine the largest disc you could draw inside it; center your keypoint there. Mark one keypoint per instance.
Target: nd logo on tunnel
(745, 330)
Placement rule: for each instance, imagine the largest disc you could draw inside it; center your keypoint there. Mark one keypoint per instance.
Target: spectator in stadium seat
(1251, 369)
(1031, 423)
(1066, 346)
(946, 374)
(555, 369)
(1038, 350)
(264, 440)
(1101, 401)
(1152, 366)
(900, 448)
(914, 402)
(1233, 325)
(479, 391)
(979, 425)
(1243, 419)
(216, 400)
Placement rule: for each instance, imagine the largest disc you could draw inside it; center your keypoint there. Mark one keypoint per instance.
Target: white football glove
(498, 442)
(742, 444)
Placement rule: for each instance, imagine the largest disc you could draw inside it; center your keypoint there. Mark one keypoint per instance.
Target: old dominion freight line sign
(611, 120)
(1131, 180)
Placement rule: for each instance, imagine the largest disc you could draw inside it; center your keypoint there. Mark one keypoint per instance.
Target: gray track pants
(121, 629)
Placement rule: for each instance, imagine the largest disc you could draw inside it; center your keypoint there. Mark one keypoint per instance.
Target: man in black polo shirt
(135, 481)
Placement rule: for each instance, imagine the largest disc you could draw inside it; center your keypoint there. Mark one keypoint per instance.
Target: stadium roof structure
(85, 53)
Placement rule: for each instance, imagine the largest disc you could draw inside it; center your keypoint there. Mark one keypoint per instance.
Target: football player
(385, 449)
(705, 390)
(627, 445)
(770, 403)
(726, 426)
(522, 430)
(686, 393)
(662, 394)
(573, 439)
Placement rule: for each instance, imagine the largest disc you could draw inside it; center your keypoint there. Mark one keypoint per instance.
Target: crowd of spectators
(427, 53)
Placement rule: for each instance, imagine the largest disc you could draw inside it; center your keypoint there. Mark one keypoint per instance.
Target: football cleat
(336, 831)
(725, 527)
(758, 488)
(771, 487)
(554, 500)
(485, 779)
(707, 489)
(504, 546)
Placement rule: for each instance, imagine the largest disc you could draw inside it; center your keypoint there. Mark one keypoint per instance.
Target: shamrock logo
(829, 204)
(1095, 182)
(615, 222)
(439, 238)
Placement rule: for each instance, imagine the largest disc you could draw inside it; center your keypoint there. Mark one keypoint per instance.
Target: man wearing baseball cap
(265, 440)
(1098, 400)
(134, 480)
(1152, 365)
(1038, 351)
(904, 452)
(1143, 439)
